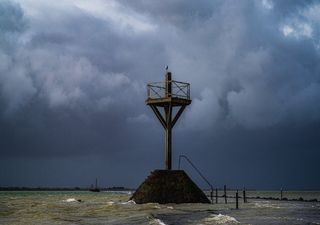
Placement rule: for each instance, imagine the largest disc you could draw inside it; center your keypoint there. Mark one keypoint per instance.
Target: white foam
(221, 219)
(267, 205)
(130, 202)
(70, 200)
(157, 222)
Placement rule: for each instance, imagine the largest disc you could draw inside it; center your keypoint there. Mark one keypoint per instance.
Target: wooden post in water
(216, 195)
(281, 190)
(225, 193)
(244, 195)
(211, 196)
(237, 200)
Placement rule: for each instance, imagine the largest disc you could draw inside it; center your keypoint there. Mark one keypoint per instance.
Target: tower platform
(174, 101)
(169, 186)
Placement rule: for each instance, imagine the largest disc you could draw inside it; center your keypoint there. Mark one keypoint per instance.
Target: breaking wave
(220, 219)
(70, 200)
(130, 202)
(157, 222)
(266, 205)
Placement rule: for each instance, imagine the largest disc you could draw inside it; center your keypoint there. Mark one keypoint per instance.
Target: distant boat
(95, 189)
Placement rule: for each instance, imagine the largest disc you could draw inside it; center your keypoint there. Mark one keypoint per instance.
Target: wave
(130, 202)
(220, 219)
(70, 200)
(266, 205)
(157, 222)
(119, 192)
(110, 203)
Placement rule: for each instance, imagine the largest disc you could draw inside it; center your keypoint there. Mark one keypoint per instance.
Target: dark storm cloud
(178, 13)
(56, 93)
(73, 75)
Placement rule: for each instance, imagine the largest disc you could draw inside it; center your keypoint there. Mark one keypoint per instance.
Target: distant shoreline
(62, 189)
(116, 188)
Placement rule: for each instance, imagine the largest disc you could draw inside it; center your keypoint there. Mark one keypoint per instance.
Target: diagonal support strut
(159, 116)
(178, 115)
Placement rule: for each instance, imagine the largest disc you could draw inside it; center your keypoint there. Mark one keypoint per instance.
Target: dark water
(114, 208)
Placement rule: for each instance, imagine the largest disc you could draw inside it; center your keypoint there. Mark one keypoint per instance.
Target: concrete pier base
(169, 186)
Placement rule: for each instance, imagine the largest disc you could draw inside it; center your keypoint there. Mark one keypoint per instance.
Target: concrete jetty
(169, 186)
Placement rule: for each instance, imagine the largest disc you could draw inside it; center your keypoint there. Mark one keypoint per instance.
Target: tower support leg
(168, 139)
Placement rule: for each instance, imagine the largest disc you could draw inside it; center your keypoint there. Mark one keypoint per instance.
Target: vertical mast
(168, 118)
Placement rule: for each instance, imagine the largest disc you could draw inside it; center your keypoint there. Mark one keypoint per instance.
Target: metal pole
(168, 85)
(168, 112)
(168, 140)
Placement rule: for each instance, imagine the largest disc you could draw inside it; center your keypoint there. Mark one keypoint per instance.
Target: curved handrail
(198, 171)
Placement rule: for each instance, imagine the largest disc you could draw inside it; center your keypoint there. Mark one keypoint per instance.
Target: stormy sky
(73, 77)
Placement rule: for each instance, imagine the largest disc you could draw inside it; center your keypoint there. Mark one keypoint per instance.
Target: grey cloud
(11, 19)
(260, 70)
(73, 82)
(177, 13)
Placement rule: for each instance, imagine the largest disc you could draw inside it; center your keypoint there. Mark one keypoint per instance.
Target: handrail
(157, 90)
(198, 171)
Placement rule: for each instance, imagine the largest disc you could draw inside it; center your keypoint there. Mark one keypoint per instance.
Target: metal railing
(198, 171)
(158, 90)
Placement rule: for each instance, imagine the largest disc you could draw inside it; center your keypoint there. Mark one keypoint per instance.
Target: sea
(111, 207)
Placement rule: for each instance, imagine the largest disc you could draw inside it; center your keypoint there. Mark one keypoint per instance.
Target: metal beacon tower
(168, 186)
(167, 95)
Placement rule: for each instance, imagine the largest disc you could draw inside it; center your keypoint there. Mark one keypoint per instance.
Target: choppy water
(113, 208)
